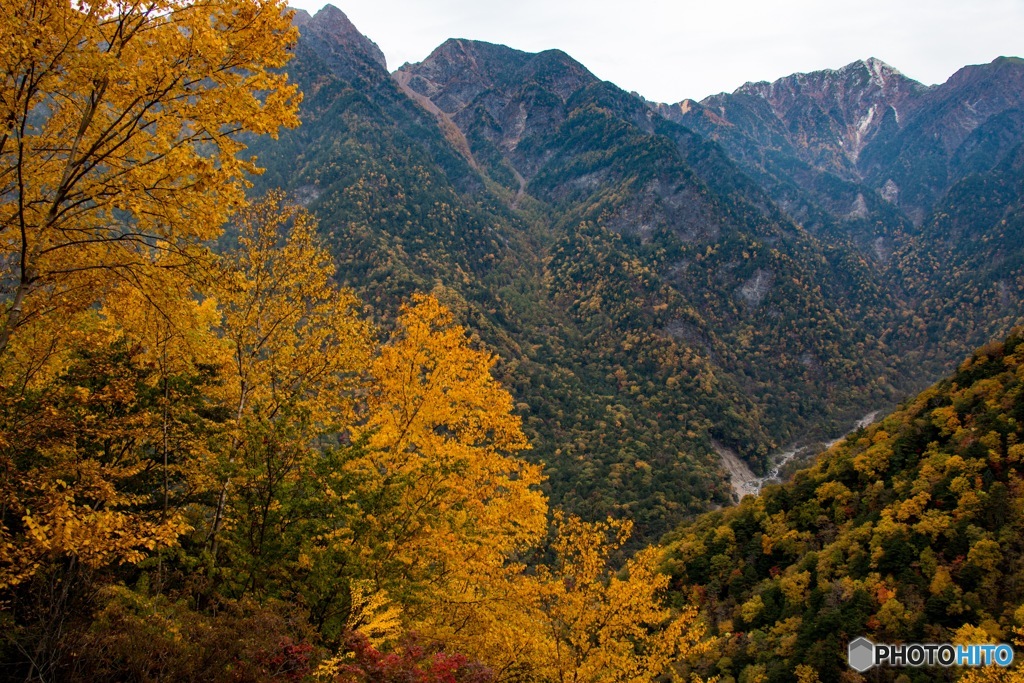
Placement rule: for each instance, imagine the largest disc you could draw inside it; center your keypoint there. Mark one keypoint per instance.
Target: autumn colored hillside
(214, 466)
(750, 271)
(907, 531)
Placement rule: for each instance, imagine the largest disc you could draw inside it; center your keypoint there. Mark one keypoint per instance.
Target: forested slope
(907, 531)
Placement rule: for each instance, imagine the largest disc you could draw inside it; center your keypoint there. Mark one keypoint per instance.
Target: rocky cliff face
(833, 115)
(498, 97)
(852, 140)
(825, 118)
(966, 125)
(331, 35)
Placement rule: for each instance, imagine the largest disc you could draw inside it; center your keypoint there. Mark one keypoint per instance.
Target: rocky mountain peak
(859, 80)
(1005, 73)
(496, 96)
(881, 73)
(460, 70)
(840, 110)
(972, 96)
(332, 27)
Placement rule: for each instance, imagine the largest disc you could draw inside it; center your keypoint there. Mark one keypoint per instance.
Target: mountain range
(752, 271)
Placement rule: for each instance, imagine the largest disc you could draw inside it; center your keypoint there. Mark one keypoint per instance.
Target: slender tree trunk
(13, 315)
(166, 419)
(218, 516)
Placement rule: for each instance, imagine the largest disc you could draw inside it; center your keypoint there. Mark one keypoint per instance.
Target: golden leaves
(439, 436)
(119, 145)
(609, 628)
(298, 340)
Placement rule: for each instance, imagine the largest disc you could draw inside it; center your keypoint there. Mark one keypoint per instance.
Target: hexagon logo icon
(861, 655)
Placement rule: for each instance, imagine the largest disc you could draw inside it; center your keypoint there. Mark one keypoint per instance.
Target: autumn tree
(603, 627)
(119, 159)
(193, 444)
(299, 351)
(429, 500)
(573, 618)
(119, 151)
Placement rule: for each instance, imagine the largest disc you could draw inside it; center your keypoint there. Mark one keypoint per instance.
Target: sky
(669, 50)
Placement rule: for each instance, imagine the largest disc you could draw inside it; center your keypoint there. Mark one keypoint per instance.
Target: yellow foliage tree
(575, 619)
(119, 156)
(119, 144)
(606, 628)
(78, 462)
(299, 350)
(446, 497)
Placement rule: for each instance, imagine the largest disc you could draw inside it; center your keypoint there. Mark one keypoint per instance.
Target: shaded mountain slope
(597, 155)
(862, 152)
(405, 210)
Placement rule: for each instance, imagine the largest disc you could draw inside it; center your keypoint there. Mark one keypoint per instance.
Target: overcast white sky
(668, 50)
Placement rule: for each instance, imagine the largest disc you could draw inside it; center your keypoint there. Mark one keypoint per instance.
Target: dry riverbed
(745, 482)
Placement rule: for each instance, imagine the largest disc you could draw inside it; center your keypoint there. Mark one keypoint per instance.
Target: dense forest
(649, 291)
(312, 371)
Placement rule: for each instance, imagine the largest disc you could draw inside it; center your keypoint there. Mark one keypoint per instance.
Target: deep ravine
(746, 483)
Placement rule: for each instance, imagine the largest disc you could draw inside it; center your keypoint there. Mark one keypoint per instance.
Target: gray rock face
(331, 30)
(503, 94)
(838, 112)
(754, 290)
(864, 144)
(890, 192)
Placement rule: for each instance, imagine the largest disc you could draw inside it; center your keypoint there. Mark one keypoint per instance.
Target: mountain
(964, 269)
(825, 118)
(651, 291)
(593, 154)
(337, 40)
(907, 531)
(802, 138)
(404, 208)
(919, 180)
(959, 124)
(864, 143)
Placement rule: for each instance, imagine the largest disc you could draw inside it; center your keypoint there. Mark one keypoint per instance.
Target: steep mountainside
(404, 209)
(919, 180)
(826, 118)
(864, 144)
(907, 531)
(964, 269)
(803, 135)
(966, 125)
(595, 155)
(648, 290)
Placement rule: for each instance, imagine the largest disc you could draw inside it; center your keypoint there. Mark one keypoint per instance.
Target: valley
(743, 480)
